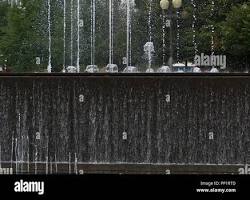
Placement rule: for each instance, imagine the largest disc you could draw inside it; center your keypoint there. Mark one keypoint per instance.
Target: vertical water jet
(178, 36)
(149, 46)
(78, 37)
(93, 26)
(71, 32)
(64, 35)
(49, 68)
(92, 68)
(111, 68)
(129, 68)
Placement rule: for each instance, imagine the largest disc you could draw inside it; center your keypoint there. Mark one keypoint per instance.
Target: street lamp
(166, 5)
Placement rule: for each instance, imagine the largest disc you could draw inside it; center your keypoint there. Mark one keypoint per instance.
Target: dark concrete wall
(157, 131)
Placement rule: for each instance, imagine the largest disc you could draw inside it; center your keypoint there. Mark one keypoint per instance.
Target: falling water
(105, 116)
(149, 47)
(214, 69)
(12, 151)
(71, 32)
(16, 153)
(75, 165)
(112, 32)
(49, 33)
(149, 21)
(22, 154)
(47, 165)
(64, 35)
(129, 68)
(130, 40)
(56, 164)
(28, 154)
(212, 29)
(196, 69)
(20, 147)
(93, 18)
(28, 158)
(112, 68)
(128, 34)
(69, 163)
(78, 36)
(178, 37)
(163, 38)
(165, 24)
(51, 166)
(92, 68)
(47, 155)
(19, 123)
(111, 37)
(194, 26)
(36, 158)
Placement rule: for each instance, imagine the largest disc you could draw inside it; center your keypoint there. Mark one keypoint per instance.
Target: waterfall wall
(203, 119)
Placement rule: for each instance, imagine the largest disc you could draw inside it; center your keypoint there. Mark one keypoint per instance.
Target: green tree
(19, 43)
(3, 24)
(236, 31)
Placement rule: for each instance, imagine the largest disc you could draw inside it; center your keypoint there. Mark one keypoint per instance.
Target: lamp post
(169, 5)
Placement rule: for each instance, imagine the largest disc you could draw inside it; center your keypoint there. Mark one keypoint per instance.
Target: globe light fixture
(177, 3)
(164, 4)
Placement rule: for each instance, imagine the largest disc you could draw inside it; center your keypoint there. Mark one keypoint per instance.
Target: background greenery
(24, 33)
